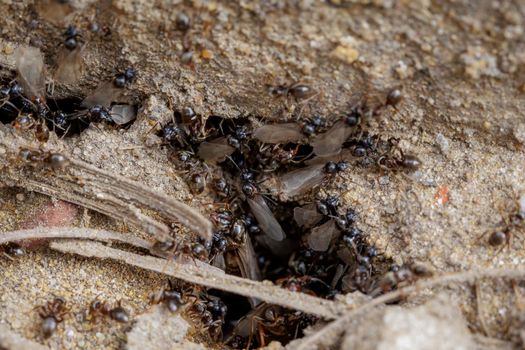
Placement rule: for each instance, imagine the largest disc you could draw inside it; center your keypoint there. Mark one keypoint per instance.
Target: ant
(333, 167)
(399, 277)
(182, 22)
(122, 79)
(222, 188)
(219, 244)
(170, 296)
(211, 311)
(13, 250)
(55, 161)
(394, 97)
(52, 313)
(328, 206)
(172, 249)
(99, 308)
(504, 235)
(397, 160)
(24, 122)
(174, 133)
(71, 35)
(311, 127)
(298, 91)
(305, 284)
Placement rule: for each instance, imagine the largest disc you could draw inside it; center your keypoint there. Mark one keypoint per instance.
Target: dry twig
(94, 188)
(72, 232)
(328, 335)
(207, 276)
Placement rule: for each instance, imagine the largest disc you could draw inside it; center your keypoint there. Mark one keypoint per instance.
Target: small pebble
(384, 180)
(346, 54)
(442, 143)
(8, 49)
(401, 70)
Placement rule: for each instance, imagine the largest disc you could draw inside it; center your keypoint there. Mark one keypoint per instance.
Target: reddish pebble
(51, 214)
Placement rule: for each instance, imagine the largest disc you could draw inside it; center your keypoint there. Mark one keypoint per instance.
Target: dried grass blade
(207, 276)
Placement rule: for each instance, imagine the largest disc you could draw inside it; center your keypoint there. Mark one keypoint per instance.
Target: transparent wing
(103, 95)
(30, 67)
(279, 133)
(54, 11)
(249, 323)
(70, 66)
(215, 150)
(302, 180)
(122, 114)
(321, 236)
(265, 218)
(330, 142)
(248, 261)
(306, 216)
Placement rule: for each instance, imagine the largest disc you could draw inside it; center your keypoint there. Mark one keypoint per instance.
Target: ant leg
(261, 334)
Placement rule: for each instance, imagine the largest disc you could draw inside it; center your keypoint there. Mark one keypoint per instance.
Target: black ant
(298, 91)
(399, 277)
(398, 160)
(71, 35)
(174, 133)
(99, 308)
(52, 313)
(211, 311)
(504, 235)
(13, 250)
(182, 22)
(171, 249)
(121, 79)
(172, 298)
(328, 207)
(55, 161)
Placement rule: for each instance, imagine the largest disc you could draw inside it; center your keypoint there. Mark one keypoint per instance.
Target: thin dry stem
(167, 206)
(72, 232)
(208, 276)
(328, 335)
(480, 310)
(115, 208)
(97, 189)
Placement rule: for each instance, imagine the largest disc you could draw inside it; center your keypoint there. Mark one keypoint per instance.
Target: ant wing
(123, 114)
(279, 133)
(219, 262)
(306, 216)
(248, 324)
(321, 236)
(30, 67)
(267, 222)
(344, 154)
(248, 261)
(281, 249)
(56, 12)
(215, 150)
(330, 142)
(299, 181)
(70, 67)
(103, 95)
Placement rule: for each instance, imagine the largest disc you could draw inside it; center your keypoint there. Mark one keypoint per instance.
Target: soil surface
(460, 65)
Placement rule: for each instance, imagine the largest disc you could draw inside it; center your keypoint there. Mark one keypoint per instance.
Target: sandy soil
(461, 68)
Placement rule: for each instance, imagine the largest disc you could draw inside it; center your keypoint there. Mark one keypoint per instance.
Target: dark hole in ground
(63, 116)
(290, 263)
